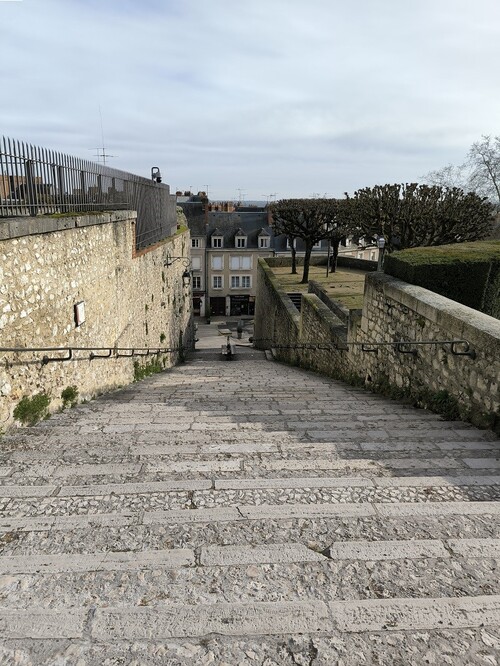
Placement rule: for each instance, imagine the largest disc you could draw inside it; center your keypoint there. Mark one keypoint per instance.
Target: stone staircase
(296, 298)
(248, 513)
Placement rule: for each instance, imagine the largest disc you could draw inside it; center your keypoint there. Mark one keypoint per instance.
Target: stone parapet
(393, 311)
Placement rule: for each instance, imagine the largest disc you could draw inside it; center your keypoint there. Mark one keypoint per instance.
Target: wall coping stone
(18, 227)
(435, 307)
(339, 310)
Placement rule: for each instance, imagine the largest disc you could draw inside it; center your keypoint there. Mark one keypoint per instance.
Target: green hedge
(465, 272)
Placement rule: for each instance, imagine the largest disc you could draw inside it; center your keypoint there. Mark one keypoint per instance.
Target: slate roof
(195, 216)
(229, 225)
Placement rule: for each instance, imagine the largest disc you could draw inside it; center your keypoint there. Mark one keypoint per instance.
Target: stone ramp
(249, 513)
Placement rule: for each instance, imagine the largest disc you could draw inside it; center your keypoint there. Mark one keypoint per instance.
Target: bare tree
(484, 162)
(448, 176)
(480, 172)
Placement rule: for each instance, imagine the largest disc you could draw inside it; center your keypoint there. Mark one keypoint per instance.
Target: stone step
(253, 619)
(118, 498)
(240, 484)
(157, 468)
(429, 516)
(288, 572)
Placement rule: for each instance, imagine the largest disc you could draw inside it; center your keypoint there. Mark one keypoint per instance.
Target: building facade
(226, 243)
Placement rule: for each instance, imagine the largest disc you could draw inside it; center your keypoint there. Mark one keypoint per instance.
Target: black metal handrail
(36, 181)
(457, 347)
(111, 352)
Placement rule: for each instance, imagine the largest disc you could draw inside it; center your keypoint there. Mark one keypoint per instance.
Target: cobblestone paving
(248, 513)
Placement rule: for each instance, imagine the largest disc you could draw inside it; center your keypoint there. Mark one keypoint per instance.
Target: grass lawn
(345, 286)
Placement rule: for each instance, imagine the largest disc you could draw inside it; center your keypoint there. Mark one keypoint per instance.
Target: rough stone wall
(276, 317)
(393, 311)
(131, 299)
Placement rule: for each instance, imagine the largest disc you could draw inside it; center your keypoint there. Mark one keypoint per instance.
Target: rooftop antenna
(101, 152)
(241, 194)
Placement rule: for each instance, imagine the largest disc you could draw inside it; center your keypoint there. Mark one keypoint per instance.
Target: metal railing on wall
(456, 347)
(36, 181)
(91, 353)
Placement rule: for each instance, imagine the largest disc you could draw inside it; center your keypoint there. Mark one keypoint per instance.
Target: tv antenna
(101, 152)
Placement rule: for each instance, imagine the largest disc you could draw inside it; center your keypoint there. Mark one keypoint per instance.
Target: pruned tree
(307, 219)
(412, 215)
(286, 217)
(341, 227)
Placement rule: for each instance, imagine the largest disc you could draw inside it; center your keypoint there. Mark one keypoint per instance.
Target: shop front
(218, 306)
(242, 305)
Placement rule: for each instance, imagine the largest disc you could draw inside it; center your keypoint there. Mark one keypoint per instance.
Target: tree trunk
(291, 240)
(307, 259)
(335, 254)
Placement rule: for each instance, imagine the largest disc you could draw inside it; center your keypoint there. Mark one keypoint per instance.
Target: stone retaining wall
(393, 310)
(130, 300)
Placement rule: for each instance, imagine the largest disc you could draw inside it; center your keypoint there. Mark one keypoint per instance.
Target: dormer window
(240, 239)
(264, 239)
(217, 241)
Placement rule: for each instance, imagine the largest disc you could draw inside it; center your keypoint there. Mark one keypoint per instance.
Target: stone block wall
(393, 311)
(131, 300)
(277, 317)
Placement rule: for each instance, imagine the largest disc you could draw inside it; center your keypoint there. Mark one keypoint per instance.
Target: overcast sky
(293, 97)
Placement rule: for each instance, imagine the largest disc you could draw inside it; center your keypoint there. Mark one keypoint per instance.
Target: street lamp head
(381, 242)
(186, 277)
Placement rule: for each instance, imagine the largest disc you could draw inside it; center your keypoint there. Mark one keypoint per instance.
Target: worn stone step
(292, 576)
(321, 523)
(255, 619)
(240, 484)
(118, 498)
(110, 561)
(420, 614)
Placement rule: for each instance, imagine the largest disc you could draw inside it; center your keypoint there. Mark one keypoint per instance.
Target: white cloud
(272, 95)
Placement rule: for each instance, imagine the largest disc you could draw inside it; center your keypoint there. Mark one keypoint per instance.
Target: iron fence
(36, 181)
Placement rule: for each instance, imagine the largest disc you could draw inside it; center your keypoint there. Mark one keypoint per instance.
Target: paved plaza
(248, 512)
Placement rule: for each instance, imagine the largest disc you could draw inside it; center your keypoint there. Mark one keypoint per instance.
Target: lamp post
(381, 247)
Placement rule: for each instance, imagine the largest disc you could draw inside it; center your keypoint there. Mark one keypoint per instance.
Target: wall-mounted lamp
(171, 260)
(186, 276)
(155, 174)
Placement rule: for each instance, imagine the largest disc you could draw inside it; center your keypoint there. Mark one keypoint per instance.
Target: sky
(256, 99)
